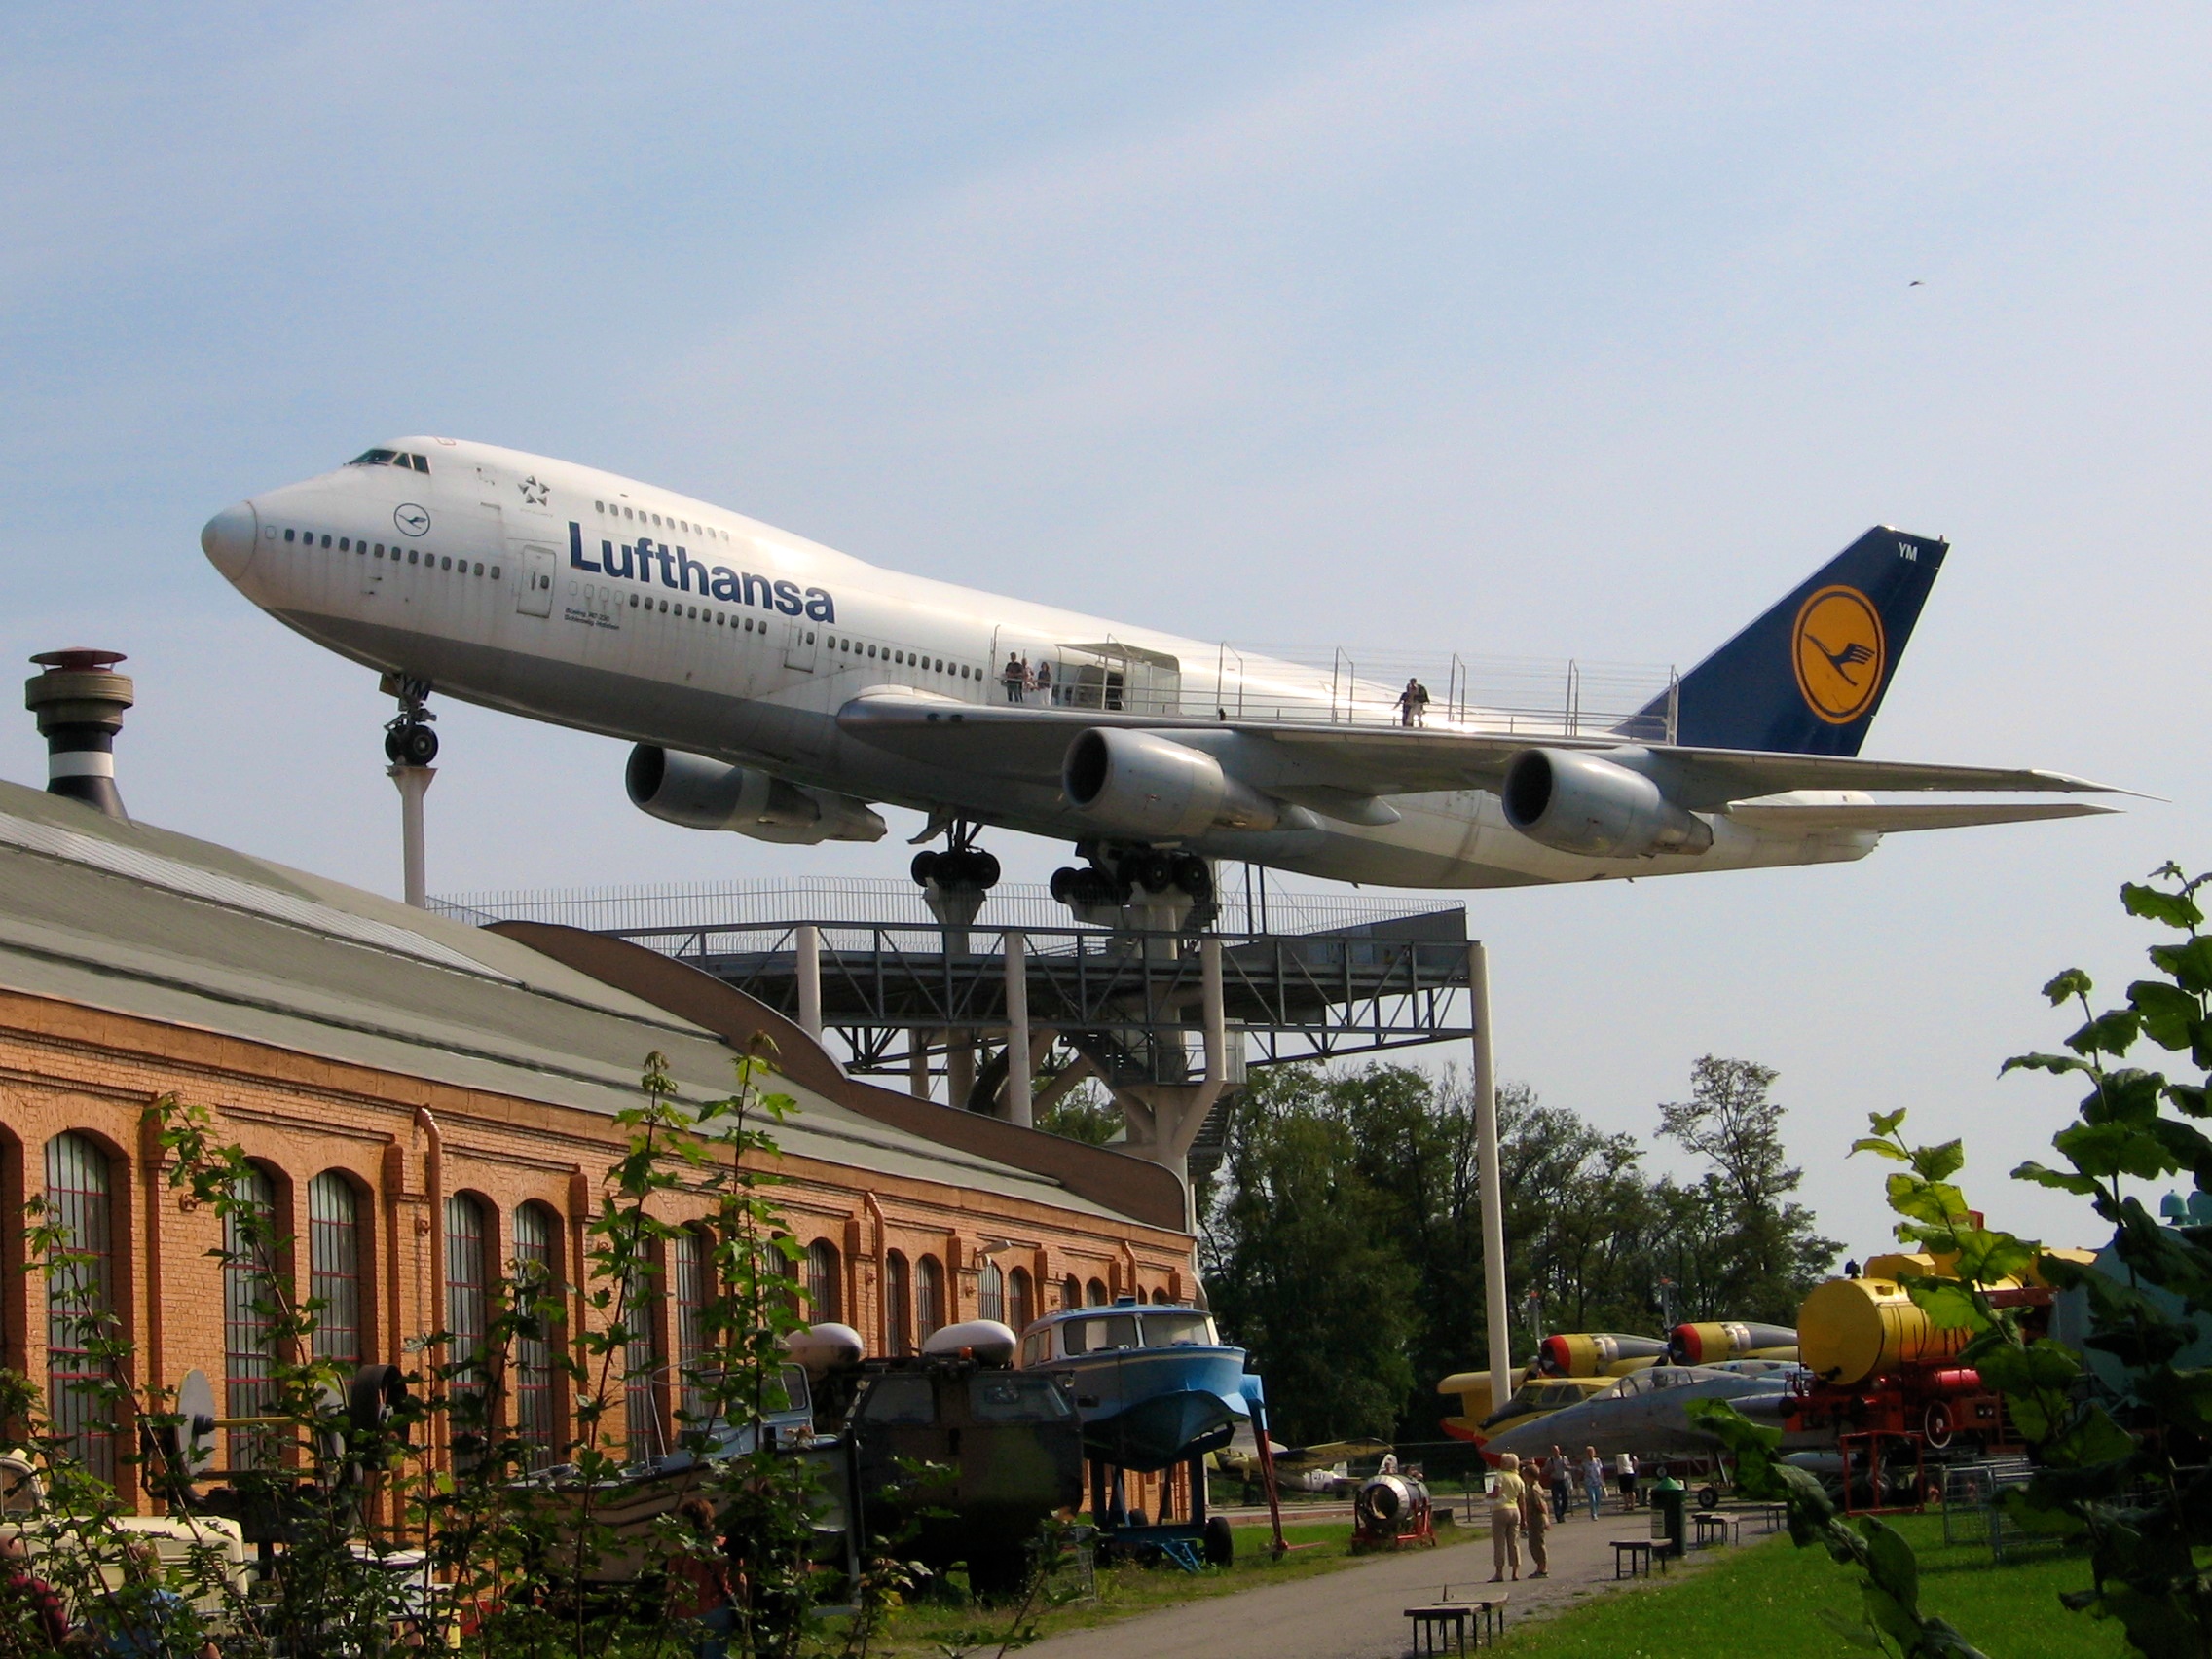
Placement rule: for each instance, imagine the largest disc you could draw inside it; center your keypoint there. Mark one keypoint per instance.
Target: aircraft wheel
(1153, 872)
(1193, 878)
(985, 868)
(1221, 1541)
(1709, 1498)
(412, 746)
(1064, 882)
(924, 866)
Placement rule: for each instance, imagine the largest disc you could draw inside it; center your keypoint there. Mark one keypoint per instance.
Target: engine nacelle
(700, 793)
(1142, 785)
(1579, 803)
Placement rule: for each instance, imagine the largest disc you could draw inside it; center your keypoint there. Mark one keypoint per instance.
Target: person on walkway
(1593, 1479)
(1536, 1521)
(1015, 676)
(699, 1583)
(1043, 679)
(1505, 1496)
(1413, 704)
(28, 1601)
(1624, 1470)
(1558, 1475)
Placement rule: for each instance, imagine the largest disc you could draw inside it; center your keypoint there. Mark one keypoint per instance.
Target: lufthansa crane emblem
(1839, 653)
(411, 519)
(533, 490)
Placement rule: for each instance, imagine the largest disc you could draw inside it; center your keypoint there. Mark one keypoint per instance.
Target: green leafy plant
(2121, 1468)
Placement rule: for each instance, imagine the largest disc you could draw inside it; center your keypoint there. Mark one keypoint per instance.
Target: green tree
(1757, 1251)
(1302, 1266)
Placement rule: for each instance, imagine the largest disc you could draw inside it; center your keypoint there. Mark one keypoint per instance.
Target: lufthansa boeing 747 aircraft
(777, 689)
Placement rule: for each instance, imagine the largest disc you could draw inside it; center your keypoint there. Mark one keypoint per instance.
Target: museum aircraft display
(778, 688)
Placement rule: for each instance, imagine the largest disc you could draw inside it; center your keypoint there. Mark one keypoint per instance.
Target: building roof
(143, 921)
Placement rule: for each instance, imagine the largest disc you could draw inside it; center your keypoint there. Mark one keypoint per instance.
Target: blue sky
(1534, 330)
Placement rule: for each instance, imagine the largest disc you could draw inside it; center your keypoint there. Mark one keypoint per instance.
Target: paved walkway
(1358, 1612)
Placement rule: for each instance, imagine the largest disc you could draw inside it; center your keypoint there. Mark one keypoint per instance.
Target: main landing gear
(408, 740)
(963, 867)
(1123, 876)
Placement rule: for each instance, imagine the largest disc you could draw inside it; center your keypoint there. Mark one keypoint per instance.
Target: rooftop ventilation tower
(79, 701)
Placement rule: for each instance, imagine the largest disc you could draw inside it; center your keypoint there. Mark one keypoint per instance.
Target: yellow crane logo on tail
(1839, 653)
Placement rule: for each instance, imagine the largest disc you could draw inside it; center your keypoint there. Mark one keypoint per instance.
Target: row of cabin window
(910, 659)
(642, 516)
(361, 544)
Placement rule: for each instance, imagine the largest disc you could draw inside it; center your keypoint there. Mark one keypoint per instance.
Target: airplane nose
(230, 537)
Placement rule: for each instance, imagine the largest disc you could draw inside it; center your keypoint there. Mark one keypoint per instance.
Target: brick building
(424, 1102)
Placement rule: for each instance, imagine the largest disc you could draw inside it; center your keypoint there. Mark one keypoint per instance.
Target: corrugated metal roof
(146, 922)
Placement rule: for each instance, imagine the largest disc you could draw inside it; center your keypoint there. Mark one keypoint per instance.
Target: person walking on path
(699, 1582)
(1536, 1521)
(1624, 1470)
(1505, 1518)
(1593, 1479)
(1413, 704)
(1559, 1477)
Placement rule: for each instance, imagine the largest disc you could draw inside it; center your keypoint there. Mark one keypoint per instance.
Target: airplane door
(798, 644)
(535, 598)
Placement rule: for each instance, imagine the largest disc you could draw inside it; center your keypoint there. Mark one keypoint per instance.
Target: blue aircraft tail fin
(1809, 675)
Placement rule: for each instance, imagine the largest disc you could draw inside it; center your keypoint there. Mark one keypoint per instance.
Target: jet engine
(700, 793)
(1147, 787)
(1579, 803)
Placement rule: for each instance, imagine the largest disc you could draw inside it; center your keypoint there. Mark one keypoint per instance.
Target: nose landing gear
(408, 740)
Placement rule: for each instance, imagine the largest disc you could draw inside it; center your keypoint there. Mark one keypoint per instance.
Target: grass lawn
(1764, 1599)
(947, 1620)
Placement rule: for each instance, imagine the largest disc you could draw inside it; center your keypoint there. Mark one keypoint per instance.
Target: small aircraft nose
(230, 537)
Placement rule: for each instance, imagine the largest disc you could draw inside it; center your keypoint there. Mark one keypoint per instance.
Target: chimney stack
(79, 701)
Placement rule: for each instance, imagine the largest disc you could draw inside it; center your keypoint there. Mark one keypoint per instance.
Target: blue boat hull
(1144, 1408)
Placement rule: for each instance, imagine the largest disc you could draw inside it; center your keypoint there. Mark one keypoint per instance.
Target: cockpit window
(391, 458)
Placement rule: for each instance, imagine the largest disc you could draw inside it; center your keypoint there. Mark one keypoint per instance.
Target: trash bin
(1670, 1524)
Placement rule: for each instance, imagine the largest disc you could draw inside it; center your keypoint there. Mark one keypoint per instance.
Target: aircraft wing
(1029, 743)
(1890, 816)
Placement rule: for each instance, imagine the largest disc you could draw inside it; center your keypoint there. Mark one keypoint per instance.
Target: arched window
(898, 1305)
(641, 1363)
(693, 1273)
(467, 1302)
(990, 1293)
(1094, 1293)
(249, 1309)
(1071, 1292)
(334, 1267)
(929, 1299)
(78, 1297)
(824, 1301)
(539, 1282)
(1159, 1296)
(1020, 1299)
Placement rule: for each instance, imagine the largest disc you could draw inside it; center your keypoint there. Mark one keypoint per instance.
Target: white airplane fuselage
(569, 595)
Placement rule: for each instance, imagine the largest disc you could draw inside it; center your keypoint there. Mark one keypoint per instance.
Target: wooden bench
(1487, 1613)
(1707, 1527)
(1635, 1555)
(1774, 1517)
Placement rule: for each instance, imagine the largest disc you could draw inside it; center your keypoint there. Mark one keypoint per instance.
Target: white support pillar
(1491, 1180)
(809, 948)
(917, 1066)
(1016, 1030)
(414, 781)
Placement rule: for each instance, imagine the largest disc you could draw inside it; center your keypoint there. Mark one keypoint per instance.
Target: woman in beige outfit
(1535, 1522)
(1505, 1500)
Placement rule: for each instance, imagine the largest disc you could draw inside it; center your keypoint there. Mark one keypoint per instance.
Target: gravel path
(1359, 1612)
